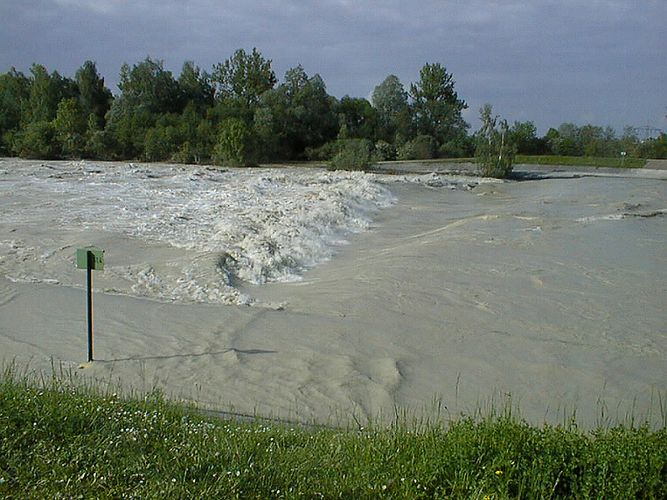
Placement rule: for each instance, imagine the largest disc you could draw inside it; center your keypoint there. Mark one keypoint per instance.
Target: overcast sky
(549, 61)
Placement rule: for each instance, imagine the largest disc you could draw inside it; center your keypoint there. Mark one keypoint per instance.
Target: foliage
(587, 140)
(14, 94)
(325, 152)
(461, 146)
(653, 148)
(37, 140)
(524, 136)
(244, 77)
(297, 116)
(58, 440)
(390, 101)
(495, 151)
(127, 127)
(196, 87)
(46, 91)
(436, 106)
(148, 87)
(233, 147)
(422, 147)
(158, 145)
(148, 91)
(354, 154)
(94, 98)
(385, 151)
(357, 118)
(70, 127)
(158, 117)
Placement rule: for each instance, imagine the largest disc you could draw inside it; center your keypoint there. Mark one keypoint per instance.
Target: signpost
(90, 258)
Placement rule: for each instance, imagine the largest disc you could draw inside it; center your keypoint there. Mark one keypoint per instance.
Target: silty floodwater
(238, 226)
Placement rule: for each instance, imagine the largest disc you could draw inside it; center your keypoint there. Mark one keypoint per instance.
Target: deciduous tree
(244, 77)
(14, 94)
(436, 105)
(390, 101)
(94, 97)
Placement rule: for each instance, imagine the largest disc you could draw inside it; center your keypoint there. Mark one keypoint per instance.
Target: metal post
(89, 276)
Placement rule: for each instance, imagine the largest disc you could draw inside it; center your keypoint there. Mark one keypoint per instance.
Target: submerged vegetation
(240, 114)
(60, 440)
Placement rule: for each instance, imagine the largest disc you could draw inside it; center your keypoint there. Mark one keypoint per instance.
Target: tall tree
(436, 105)
(524, 136)
(94, 97)
(70, 127)
(149, 86)
(391, 103)
(46, 91)
(14, 93)
(357, 118)
(298, 114)
(148, 91)
(196, 87)
(244, 77)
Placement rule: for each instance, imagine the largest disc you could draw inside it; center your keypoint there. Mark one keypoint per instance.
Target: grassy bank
(59, 441)
(581, 161)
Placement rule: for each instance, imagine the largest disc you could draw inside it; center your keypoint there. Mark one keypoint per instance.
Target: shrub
(156, 145)
(385, 151)
(461, 147)
(38, 141)
(495, 151)
(233, 147)
(325, 152)
(355, 154)
(422, 147)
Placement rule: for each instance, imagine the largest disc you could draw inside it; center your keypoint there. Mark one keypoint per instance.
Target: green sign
(90, 256)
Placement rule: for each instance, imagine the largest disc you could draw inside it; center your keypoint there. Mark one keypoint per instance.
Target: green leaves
(244, 77)
(495, 150)
(233, 147)
(436, 105)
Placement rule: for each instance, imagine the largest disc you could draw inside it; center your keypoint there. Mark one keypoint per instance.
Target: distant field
(570, 161)
(582, 161)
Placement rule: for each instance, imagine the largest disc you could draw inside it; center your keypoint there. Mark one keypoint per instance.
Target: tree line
(240, 114)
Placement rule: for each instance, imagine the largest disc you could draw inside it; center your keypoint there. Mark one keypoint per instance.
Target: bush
(233, 147)
(422, 147)
(191, 153)
(385, 151)
(156, 145)
(325, 152)
(462, 147)
(495, 151)
(355, 154)
(38, 141)
(101, 144)
(654, 148)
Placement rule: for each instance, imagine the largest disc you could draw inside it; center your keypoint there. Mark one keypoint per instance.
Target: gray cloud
(547, 61)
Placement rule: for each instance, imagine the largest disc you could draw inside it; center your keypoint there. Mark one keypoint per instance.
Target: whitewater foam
(253, 225)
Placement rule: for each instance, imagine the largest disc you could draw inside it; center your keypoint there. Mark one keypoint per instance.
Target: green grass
(62, 441)
(581, 161)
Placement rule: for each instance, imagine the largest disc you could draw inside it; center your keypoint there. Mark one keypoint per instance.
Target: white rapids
(251, 226)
